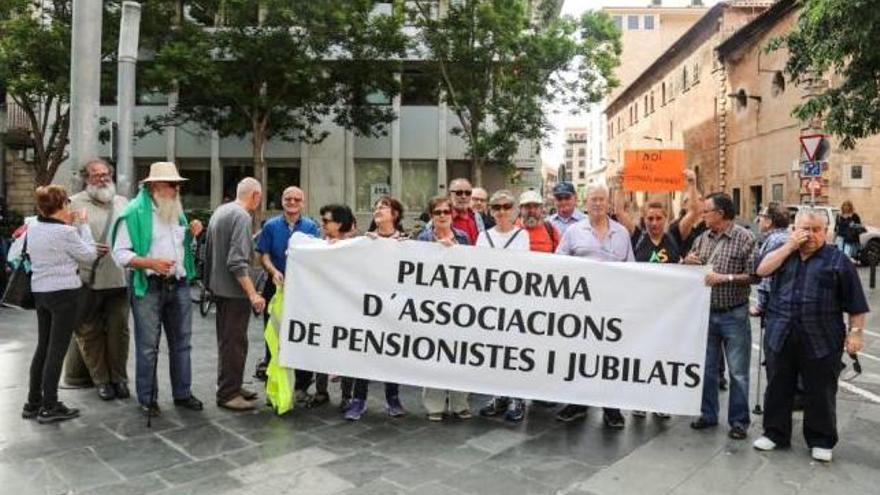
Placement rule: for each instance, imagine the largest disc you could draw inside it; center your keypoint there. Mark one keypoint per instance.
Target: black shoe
(571, 412)
(151, 410)
(544, 403)
(260, 372)
(494, 407)
(121, 390)
(737, 433)
(702, 424)
(613, 419)
(106, 391)
(30, 411)
(190, 403)
(797, 404)
(58, 412)
(722, 383)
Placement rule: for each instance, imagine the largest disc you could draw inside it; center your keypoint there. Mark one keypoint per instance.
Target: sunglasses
(505, 206)
(462, 192)
(438, 213)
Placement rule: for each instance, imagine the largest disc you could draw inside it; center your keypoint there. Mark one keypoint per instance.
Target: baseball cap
(530, 198)
(563, 188)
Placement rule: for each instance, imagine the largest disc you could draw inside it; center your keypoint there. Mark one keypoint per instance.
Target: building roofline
(705, 24)
(759, 25)
(658, 9)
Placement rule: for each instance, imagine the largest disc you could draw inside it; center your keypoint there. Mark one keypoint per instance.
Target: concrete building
(761, 144)
(679, 100)
(414, 161)
(577, 155)
(646, 32)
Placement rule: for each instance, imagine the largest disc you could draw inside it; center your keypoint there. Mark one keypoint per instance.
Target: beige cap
(164, 172)
(530, 198)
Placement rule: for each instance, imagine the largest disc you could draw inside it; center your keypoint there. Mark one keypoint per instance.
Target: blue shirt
(275, 234)
(581, 240)
(564, 223)
(809, 297)
(774, 239)
(427, 234)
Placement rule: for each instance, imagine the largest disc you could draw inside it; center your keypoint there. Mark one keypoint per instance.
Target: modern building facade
(414, 162)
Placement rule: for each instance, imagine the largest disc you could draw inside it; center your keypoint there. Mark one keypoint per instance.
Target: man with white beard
(152, 240)
(102, 335)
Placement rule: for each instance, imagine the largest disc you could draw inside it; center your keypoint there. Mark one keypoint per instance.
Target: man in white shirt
(151, 239)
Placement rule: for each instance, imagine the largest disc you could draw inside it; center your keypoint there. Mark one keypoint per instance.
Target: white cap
(530, 198)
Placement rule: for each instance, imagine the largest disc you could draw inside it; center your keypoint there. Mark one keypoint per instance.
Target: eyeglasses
(462, 192)
(438, 213)
(477, 198)
(505, 206)
(381, 207)
(100, 177)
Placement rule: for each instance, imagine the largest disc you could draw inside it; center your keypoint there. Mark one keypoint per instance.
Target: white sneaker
(821, 455)
(764, 444)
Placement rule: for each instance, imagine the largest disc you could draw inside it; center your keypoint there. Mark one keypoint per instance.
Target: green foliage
(35, 39)
(501, 72)
(838, 38)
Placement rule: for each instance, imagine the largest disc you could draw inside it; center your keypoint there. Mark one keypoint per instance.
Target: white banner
(517, 324)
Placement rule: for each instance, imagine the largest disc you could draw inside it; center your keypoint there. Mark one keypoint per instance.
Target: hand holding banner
(509, 323)
(654, 170)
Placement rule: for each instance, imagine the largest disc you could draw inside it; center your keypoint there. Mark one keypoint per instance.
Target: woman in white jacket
(56, 244)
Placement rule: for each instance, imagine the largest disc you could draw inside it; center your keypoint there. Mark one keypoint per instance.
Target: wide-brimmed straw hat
(164, 172)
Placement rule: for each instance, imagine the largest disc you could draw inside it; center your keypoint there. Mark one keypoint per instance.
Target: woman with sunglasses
(504, 235)
(337, 223)
(441, 230)
(387, 224)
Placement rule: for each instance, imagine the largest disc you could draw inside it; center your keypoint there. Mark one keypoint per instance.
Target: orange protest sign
(653, 170)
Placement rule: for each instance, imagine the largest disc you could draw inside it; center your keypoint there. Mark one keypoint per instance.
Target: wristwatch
(855, 330)
(730, 278)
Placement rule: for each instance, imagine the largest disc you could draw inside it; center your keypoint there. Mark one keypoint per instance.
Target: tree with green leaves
(35, 69)
(276, 69)
(501, 67)
(838, 38)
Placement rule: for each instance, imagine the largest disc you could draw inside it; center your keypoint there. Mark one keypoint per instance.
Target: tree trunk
(477, 169)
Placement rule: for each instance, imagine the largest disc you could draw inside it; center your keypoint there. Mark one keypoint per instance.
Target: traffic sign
(811, 169)
(815, 146)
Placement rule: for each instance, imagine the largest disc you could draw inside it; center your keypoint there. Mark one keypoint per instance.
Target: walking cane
(758, 410)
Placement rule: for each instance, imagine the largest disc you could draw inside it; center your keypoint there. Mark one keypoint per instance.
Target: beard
(102, 194)
(531, 221)
(169, 209)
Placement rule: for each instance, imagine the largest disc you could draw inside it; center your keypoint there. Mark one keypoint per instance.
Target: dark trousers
(361, 386)
(56, 317)
(820, 394)
(103, 335)
(233, 316)
(268, 294)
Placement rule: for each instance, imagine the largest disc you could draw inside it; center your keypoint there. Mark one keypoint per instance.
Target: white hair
(812, 213)
(592, 188)
(247, 186)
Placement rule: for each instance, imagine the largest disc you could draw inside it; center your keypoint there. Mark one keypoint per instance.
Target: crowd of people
(96, 257)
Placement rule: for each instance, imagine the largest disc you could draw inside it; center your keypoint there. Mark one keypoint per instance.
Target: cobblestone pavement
(109, 449)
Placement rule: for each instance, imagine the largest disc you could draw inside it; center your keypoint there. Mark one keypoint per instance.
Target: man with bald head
(272, 246)
(230, 248)
(464, 218)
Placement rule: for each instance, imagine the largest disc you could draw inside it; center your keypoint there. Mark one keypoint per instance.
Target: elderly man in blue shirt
(567, 213)
(813, 285)
(598, 238)
(272, 246)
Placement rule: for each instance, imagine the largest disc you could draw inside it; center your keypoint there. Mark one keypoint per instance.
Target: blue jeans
(730, 329)
(165, 305)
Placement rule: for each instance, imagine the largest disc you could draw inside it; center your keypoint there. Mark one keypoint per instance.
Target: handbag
(18, 293)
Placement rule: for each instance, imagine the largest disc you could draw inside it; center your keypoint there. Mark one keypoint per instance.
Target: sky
(552, 155)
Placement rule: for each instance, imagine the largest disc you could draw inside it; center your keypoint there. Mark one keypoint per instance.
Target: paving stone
(420, 471)
(361, 468)
(205, 441)
(186, 473)
(31, 477)
(141, 485)
(81, 469)
(491, 481)
(282, 465)
(141, 456)
(216, 485)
